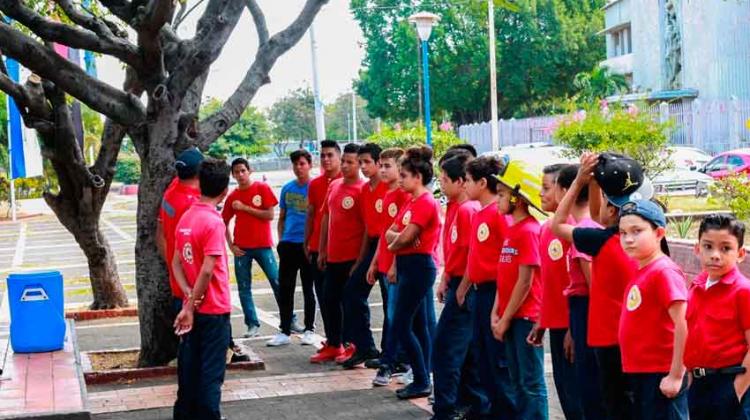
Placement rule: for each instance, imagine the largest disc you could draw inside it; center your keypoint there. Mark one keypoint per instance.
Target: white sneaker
(297, 328)
(406, 378)
(308, 338)
(253, 331)
(279, 340)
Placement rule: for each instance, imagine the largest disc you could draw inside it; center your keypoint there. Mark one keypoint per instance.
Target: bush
(128, 170)
(398, 136)
(617, 129)
(734, 192)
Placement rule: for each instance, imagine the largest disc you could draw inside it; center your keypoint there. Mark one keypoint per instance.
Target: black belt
(485, 285)
(454, 282)
(703, 372)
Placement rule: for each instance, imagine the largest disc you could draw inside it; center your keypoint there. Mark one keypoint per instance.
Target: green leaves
(249, 137)
(734, 192)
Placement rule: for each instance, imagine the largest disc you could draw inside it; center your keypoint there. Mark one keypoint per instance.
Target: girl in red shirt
(413, 237)
(653, 329)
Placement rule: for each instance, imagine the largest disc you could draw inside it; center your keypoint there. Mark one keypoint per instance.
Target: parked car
(689, 158)
(682, 181)
(540, 153)
(724, 164)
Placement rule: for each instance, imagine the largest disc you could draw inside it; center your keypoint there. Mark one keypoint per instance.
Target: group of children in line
(630, 337)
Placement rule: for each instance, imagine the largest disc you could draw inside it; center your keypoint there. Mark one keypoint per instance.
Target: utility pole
(493, 76)
(354, 116)
(320, 123)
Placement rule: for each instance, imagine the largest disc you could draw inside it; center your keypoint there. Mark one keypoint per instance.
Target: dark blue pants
(587, 371)
(489, 356)
(201, 365)
(291, 261)
(526, 365)
(337, 275)
(456, 376)
(319, 278)
(416, 275)
(616, 392)
(651, 404)
(393, 352)
(713, 397)
(564, 374)
(357, 307)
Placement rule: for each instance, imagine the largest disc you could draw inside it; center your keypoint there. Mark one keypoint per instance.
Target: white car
(682, 181)
(689, 158)
(541, 154)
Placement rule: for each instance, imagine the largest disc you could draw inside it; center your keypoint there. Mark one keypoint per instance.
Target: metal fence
(714, 126)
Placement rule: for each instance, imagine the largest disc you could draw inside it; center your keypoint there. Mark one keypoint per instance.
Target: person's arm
(672, 383)
(179, 274)
(161, 241)
(265, 214)
(373, 269)
(595, 201)
(309, 222)
(406, 238)
(363, 250)
(517, 297)
(559, 223)
(442, 287)
(280, 224)
(237, 251)
(462, 289)
(391, 234)
(742, 381)
(323, 248)
(183, 324)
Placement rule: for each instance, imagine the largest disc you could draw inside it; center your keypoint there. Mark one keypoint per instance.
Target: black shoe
(359, 357)
(400, 369)
(410, 392)
(239, 355)
(373, 364)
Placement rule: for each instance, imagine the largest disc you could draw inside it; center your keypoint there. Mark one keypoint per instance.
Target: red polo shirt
(393, 202)
(177, 199)
(554, 275)
(717, 320)
(372, 204)
(316, 197)
(423, 211)
(520, 247)
(456, 235)
(487, 233)
(346, 223)
(646, 329)
(250, 231)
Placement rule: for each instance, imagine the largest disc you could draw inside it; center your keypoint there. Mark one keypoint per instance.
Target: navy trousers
(357, 307)
(564, 374)
(587, 370)
(651, 404)
(713, 397)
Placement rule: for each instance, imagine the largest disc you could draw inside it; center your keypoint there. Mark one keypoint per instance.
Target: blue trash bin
(37, 311)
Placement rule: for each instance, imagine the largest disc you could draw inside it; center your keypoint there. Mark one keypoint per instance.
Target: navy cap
(647, 209)
(188, 163)
(644, 192)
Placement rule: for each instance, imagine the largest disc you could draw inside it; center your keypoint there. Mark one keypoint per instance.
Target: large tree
(158, 108)
(541, 46)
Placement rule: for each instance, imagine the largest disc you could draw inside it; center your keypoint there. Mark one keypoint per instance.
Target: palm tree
(599, 83)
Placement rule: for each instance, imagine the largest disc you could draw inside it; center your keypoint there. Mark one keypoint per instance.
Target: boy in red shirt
(653, 329)
(717, 352)
(200, 268)
(330, 166)
(478, 287)
(554, 313)
(357, 291)
(611, 268)
(252, 206)
(519, 289)
(456, 376)
(341, 232)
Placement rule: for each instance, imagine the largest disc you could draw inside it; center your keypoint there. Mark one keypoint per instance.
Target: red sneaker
(327, 354)
(323, 345)
(349, 351)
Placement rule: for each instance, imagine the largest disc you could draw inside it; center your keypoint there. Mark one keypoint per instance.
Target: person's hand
(441, 291)
(306, 250)
(237, 251)
(354, 268)
(586, 170)
(741, 384)
(461, 297)
(670, 385)
(237, 205)
(391, 275)
(184, 321)
(569, 348)
(322, 258)
(371, 275)
(535, 336)
(500, 328)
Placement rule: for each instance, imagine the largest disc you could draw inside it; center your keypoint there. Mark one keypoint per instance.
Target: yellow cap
(525, 179)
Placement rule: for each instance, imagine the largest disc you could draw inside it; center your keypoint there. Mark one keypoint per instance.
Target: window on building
(621, 41)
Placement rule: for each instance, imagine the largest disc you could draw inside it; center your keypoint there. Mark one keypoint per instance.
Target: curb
(90, 315)
(100, 377)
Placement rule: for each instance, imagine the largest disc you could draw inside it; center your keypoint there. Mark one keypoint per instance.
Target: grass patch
(689, 204)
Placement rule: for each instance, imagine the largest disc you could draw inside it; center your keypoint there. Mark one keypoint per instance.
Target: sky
(340, 52)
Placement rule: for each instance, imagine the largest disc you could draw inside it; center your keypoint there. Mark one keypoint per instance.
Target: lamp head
(424, 22)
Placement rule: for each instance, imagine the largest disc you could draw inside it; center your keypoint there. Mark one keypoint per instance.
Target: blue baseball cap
(647, 209)
(644, 192)
(188, 163)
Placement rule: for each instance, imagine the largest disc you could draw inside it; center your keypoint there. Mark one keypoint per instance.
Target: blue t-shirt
(293, 199)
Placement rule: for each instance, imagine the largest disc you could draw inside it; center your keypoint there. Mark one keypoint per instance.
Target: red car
(734, 161)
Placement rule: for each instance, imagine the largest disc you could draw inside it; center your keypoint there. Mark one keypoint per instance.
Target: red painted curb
(88, 315)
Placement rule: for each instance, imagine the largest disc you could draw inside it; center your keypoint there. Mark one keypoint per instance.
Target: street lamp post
(424, 22)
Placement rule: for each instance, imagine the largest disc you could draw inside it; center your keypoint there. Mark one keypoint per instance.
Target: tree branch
(88, 20)
(259, 19)
(71, 36)
(122, 107)
(123, 9)
(257, 75)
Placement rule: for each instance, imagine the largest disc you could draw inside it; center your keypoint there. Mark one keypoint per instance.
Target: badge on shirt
(483, 232)
(454, 234)
(407, 218)
(257, 200)
(187, 252)
(392, 210)
(555, 249)
(379, 205)
(634, 298)
(347, 203)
